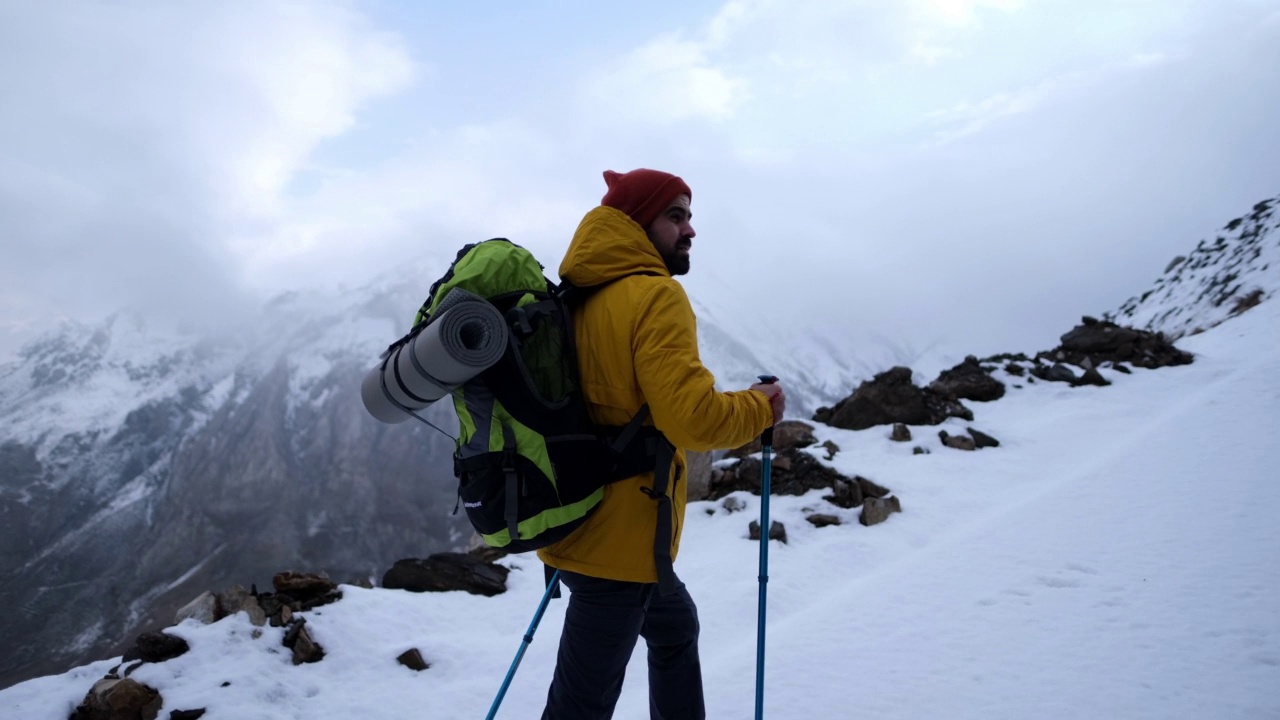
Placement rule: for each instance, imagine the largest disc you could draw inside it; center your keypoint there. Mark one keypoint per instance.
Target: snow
(1118, 556)
(1203, 290)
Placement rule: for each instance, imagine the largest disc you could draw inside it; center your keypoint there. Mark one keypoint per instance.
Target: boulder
(447, 571)
(303, 586)
(831, 449)
(203, 609)
(119, 699)
(968, 381)
(1103, 340)
(733, 504)
(901, 433)
(155, 647)
(877, 510)
(891, 397)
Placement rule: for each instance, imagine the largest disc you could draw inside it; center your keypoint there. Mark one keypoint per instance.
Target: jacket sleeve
(680, 391)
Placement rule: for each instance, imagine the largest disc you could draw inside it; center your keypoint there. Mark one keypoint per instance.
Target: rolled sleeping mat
(467, 336)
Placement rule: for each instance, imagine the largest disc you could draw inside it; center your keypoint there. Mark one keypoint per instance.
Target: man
(639, 346)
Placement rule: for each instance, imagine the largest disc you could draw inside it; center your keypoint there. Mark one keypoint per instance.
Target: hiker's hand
(777, 398)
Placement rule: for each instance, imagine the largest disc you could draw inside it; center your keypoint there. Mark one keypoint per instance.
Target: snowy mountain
(140, 465)
(1223, 277)
(1114, 557)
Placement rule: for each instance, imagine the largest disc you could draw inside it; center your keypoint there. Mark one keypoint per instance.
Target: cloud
(978, 170)
(136, 141)
(666, 80)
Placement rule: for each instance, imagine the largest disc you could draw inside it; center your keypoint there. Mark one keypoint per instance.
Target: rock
(155, 647)
(305, 650)
(981, 439)
(733, 504)
(1055, 373)
(869, 488)
(116, 699)
(958, 442)
(795, 472)
(776, 531)
(877, 510)
(412, 659)
(831, 449)
(699, 475)
(1102, 340)
(900, 433)
(447, 571)
(203, 609)
(1120, 367)
(820, 520)
(917, 450)
(968, 381)
(848, 493)
(787, 435)
(257, 616)
(307, 589)
(1091, 376)
(187, 714)
(891, 397)
(1015, 369)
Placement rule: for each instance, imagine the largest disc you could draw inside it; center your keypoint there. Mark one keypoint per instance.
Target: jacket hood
(608, 245)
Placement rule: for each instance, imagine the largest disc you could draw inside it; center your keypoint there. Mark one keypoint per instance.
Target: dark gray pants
(601, 625)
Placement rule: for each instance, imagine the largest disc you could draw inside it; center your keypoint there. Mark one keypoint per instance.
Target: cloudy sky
(976, 173)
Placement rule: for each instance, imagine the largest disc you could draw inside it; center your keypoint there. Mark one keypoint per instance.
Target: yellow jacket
(637, 343)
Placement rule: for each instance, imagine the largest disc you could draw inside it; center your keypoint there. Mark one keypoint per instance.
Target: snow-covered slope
(1223, 277)
(1116, 557)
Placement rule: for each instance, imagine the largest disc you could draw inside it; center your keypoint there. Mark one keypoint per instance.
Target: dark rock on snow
(877, 510)
(776, 531)
(968, 381)
(891, 397)
(822, 519)
(446, 571)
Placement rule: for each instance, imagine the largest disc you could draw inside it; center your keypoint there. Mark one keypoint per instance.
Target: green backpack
(531, 466)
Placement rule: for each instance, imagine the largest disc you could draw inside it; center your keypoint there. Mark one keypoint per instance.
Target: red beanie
(643, 194)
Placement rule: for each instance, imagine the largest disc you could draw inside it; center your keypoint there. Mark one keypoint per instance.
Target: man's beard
(678, 262)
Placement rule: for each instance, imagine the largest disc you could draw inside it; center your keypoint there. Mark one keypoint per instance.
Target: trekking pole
(766, 456)
(524, 645)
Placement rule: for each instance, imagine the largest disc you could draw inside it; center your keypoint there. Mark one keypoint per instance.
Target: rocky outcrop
(1095, 341)
(891, 397)
(969, 381)
(794, 472)
(787, 435)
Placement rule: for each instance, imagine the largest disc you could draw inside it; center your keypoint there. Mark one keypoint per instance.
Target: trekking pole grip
(766, 438)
